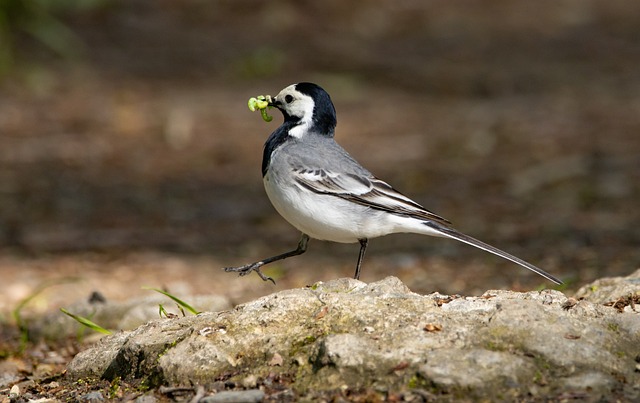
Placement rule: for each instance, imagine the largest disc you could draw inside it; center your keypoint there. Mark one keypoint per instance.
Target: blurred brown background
(128, 155)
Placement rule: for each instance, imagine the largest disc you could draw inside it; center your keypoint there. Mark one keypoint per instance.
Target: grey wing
(365, 190)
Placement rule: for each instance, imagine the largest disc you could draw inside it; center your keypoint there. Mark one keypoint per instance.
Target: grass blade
(176, 299)
(86, 322)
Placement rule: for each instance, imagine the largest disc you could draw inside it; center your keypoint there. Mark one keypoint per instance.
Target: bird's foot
(248, 268)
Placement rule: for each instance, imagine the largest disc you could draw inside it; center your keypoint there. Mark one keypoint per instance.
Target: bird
(321, 190)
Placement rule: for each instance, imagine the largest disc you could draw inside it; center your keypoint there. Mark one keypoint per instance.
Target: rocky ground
(345, 339)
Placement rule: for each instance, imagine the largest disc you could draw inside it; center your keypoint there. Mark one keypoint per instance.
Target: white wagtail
(325, 193)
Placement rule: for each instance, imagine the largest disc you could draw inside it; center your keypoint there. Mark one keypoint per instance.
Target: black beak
(274, 102)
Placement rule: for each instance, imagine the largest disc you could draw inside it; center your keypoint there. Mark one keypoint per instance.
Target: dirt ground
(136, 161)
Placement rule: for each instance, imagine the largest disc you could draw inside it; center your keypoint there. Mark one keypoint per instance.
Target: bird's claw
(248, 268)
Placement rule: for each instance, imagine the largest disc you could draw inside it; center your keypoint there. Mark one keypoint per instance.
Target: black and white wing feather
(368, 191)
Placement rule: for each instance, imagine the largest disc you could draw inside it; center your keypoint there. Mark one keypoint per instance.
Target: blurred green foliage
(41, 20)
(261, 63)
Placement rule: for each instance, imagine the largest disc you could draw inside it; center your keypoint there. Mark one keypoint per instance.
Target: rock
(242, 396)
(146, 399)
(347, 335)
(14, 392)
(476, 368)
(611, 289)
(91, 397)
(11, 371)
(250, 382)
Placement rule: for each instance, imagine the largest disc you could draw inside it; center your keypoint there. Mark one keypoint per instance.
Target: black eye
(288, 99)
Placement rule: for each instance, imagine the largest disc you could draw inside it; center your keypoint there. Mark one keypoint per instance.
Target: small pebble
(92, 397)
(241, 396)
(250, 381)
(146, 399)
(14, 392)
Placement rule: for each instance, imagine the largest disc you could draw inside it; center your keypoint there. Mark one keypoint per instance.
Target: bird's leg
(363, 248)
(248, 268)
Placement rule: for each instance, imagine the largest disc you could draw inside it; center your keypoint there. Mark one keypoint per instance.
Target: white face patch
(301, 106)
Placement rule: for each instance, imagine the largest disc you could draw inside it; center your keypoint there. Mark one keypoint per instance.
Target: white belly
(324, 217)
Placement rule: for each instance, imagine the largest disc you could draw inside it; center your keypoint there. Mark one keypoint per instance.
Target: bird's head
(308, 107)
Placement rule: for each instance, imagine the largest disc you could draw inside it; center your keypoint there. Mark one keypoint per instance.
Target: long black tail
(454, 234)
